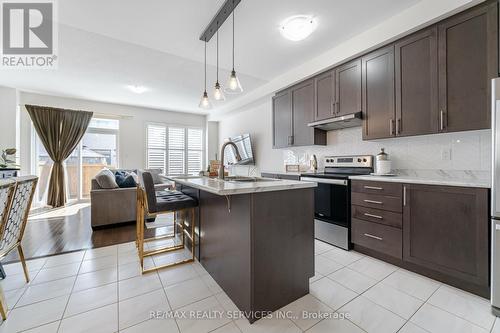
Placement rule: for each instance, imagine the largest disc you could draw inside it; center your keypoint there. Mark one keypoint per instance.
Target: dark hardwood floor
(45, 236)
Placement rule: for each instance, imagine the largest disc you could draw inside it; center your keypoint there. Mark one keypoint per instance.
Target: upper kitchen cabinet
(416, 69)
(378, 94)
(348, 88)
(468, 60)
(282, 119)
(293, 110)
(325, 96)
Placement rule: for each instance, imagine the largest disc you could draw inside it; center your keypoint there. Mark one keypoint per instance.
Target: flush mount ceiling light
(137, 89)
(298, 27)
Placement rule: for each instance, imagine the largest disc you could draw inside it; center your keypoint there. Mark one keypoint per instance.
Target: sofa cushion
(106, 179)
(125, 179)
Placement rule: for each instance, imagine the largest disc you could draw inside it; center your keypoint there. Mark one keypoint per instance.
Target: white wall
(133, 120)
(459, 151)
(8, 105)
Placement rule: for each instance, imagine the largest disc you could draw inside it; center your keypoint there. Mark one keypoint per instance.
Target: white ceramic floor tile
(211, 284)
(96, 279)
(133, 269)
(101, 320)
(394, 300)
(47, 328)
(12, 282)
(335, 325)
(409, 327)
(153, 326)
(352, 279)
(226, 302)
(268, 325)
(198, 267)
(321, 247)
(331, 293)
(126, 247)
(371, 317)
(435, 320)
(138, 309)
(187, 292)
(373, 268)
(98, 264)
(316, 277)
(325, 266)
(170, 257)
(16, 268)
(43, 291)
(13, 296)
(496, 326)
(342, 256)
(138, 285)
(131, 257)
(176, 274)
(464, 305)
(307, 303)
(55, 273)
(101, 252)
(90, 299)
(412, 284)
(228, 328)
(197, 325)
(64, 259)
(34, 315)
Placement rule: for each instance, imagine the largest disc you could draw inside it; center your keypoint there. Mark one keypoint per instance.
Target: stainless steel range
(332, 197)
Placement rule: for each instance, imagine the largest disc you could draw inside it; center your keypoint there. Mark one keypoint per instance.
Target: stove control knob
(364, 160)
(359, 160)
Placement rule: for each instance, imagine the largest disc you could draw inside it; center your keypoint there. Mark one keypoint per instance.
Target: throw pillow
(126, 181)
(106, 179)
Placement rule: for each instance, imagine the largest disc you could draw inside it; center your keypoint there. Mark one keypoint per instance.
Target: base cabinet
(444, 235)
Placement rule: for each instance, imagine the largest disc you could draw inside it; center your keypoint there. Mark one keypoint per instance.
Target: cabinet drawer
(393, 204)
(377, 237)
(378, 216)
(382, 188)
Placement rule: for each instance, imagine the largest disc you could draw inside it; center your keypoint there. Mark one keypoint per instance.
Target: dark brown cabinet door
(468, 60)
(445, 230)
(348, 85)
(282, 119)
(417, 84)
(303, 113)
(325, 96)
(378, 94)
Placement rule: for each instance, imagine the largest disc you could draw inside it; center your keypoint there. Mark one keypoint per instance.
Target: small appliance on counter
(383, 165)
(332, 197)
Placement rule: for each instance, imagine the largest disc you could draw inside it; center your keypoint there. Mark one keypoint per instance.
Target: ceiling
(106, 45)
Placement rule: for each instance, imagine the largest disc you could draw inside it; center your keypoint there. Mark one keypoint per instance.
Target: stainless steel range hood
(334, 123)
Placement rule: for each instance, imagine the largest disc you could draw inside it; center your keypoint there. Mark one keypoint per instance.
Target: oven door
(331, 200)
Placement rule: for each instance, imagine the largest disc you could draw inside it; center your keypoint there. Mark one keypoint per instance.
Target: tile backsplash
(461, 151)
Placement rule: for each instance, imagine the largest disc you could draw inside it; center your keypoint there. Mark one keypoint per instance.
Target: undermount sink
(247, 179)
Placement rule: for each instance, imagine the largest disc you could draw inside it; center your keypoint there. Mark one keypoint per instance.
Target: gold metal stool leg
(23, 262)
(3, 305)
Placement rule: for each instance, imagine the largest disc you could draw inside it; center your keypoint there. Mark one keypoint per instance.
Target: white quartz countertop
(221, 187)
(444, 181)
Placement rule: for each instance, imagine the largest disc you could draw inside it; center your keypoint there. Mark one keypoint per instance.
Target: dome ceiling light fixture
(298, 27)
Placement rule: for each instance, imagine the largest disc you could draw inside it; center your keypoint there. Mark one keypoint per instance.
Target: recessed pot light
(298, 27)
(137, 89)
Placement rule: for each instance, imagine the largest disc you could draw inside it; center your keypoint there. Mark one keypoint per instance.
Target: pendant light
(205, 101)
(233, 85)
(218, 93)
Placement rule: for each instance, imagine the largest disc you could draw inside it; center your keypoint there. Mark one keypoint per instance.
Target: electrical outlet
(446, 154)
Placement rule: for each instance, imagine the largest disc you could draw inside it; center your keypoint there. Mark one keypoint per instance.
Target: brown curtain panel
(60, 131)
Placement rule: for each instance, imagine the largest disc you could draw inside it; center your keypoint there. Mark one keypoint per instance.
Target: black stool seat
(175, 202)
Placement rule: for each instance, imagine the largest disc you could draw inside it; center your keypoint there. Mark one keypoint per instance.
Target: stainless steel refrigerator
(495, 197)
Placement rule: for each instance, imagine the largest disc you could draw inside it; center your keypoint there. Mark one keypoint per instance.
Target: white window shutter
(156, 143)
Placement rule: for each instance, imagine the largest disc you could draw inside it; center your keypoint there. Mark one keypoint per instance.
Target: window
(97, 149)
(174, 149)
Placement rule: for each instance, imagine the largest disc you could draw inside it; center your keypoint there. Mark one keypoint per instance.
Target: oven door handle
(325, 181)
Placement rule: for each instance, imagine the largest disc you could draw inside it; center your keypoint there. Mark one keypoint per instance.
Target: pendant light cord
(217, 52)
(205, 65)
(233, 35)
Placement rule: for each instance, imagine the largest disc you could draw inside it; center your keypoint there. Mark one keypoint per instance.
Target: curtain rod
(99, 115)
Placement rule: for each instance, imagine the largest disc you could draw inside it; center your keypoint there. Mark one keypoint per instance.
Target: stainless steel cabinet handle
(404, 195)
(332, 107)
(374, 237)
(441, 120)
(290, 140)
(373, 202)
(391, 126)
(373, 187)
(374, 216)
(398, 126)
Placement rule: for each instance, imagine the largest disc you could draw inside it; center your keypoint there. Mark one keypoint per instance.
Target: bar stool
(150, 204)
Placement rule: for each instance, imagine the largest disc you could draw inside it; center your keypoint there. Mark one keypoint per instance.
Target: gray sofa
(114, 206)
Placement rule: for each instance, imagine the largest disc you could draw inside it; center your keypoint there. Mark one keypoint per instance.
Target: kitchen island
(255, 238)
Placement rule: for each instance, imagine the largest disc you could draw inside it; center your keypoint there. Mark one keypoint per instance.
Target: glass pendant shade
(205, 102)
(233, 85)
(218, 93)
